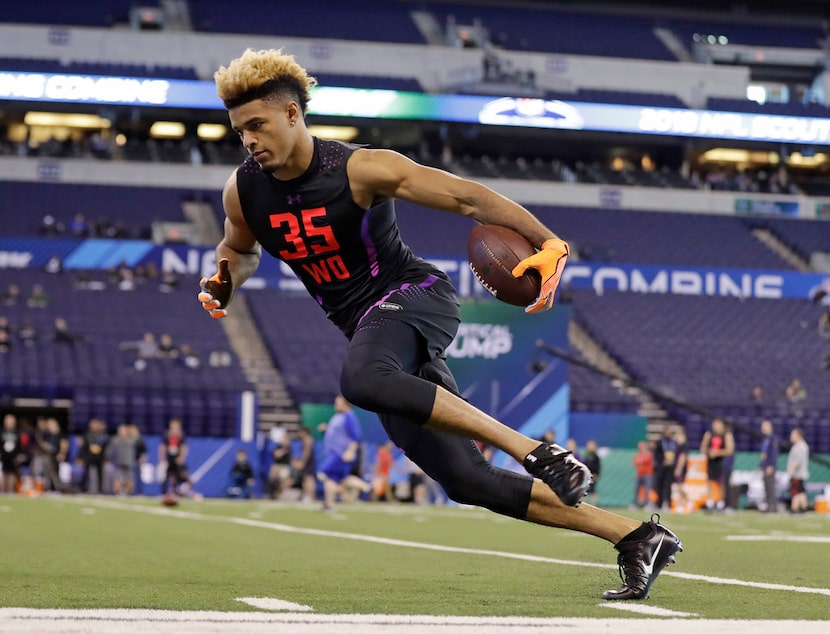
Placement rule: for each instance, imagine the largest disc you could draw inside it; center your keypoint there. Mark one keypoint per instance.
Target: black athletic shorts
(428, 304)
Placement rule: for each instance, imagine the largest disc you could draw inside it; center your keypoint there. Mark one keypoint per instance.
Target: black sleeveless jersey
(346, 256)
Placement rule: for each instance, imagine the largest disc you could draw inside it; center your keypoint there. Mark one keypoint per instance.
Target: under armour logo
(294, 199)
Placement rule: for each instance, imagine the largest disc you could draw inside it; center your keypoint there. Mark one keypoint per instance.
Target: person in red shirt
(643, 462)
(381, 485)
(173, 452)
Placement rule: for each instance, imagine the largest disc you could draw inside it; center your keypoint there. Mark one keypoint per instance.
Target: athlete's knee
(369, 386)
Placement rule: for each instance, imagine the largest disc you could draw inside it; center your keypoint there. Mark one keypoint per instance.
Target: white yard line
(33, 621)
(642, 608)
(807, 539)
(284, 528)
(276, 605)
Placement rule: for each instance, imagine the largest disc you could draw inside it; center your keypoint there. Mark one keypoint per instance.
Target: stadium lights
(57, 119)
(335, 132)
(211, 131)
(797, 159)
(735, 155)
(167, 130)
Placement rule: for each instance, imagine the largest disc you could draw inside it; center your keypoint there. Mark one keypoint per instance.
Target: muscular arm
(379, 174)
(238, 245)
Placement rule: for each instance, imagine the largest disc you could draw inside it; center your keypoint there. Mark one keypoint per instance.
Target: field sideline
(374, 567)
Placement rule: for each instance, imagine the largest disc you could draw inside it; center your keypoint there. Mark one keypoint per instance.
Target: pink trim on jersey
(371, 249)
(429, 280)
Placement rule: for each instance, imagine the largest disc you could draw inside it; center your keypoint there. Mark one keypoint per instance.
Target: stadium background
(701, 243)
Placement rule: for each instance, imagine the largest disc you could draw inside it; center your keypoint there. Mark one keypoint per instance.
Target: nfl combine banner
(79, 253)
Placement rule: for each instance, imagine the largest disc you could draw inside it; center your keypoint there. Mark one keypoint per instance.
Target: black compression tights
(387, 371)
(380, 367)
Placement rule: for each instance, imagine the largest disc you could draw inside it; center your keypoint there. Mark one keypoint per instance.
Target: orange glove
(216, 292)
(550, 262)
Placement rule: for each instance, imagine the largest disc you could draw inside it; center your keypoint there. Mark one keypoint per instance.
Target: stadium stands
(525, 29)
(32, 65)
(321, 19)
(712, 351)
(305, 345)
(91, 14)
(803, 237)
(132, 210)
(99, 367)
(368, 81)
(747, 34)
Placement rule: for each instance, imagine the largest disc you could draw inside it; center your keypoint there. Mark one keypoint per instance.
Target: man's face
(265, 131)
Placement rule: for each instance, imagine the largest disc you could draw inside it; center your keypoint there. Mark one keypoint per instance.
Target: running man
(325, 208)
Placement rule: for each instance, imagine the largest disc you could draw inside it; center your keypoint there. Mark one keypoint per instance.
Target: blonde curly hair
(263, 74)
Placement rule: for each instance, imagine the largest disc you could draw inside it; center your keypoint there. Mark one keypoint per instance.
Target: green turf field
(133, 553)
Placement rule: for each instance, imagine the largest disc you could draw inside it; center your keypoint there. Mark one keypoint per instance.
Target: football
(493, 252)
(170, 500)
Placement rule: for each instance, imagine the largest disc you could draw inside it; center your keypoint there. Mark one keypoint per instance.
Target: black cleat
(563, 473)
(641, 560)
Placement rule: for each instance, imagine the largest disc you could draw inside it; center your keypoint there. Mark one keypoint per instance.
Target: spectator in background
(91, 454)
(11, 452)
(279, 473)
(127, 280)
(188, 357)
(38, 298)
(304, 465)
(643, 462)
(798, 469)
(12, 296)
(592, 460)
(54, 264)
(220, 359)
(381, 472)
(99, 147)
(241, 477)
(121, 454)
(49, 226)
(146, 348)
(173, 452)
(151, 272)
(49, 447)
(757, 398)
(549, 437)
(169, 281)
(5, 342)
(27, 333)
(140, 458)
(681, 466)
(665, 461)
(166, 348)
(78, 226)
(571, 446)
(767, 465)
(718, 445)
(62, 334)
(795, 395)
